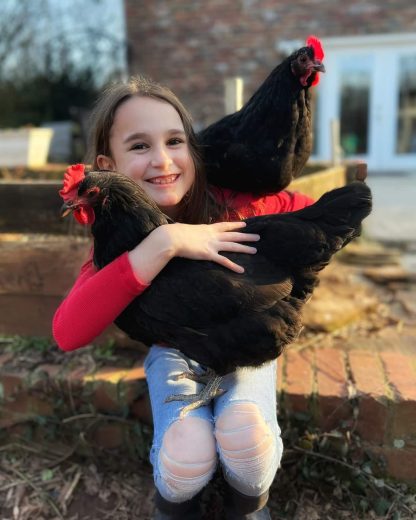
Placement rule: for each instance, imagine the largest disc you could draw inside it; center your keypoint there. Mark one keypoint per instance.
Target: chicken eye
(93, 192)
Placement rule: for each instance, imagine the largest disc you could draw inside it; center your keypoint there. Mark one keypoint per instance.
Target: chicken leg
(211, 390)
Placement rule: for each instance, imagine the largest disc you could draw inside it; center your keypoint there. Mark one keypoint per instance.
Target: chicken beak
(67, 208)
(318, 66)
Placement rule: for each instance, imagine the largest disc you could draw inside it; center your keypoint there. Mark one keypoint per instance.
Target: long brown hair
(198, 206)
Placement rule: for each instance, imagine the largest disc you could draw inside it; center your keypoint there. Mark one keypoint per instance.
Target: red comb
(316, 44)
(74, 175)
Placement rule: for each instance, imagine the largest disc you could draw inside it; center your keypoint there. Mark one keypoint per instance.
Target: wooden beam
(29, 206)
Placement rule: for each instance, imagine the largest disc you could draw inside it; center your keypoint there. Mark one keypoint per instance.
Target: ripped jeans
(239, 428)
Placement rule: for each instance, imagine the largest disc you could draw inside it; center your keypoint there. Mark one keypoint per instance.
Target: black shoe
(262, 514)
(243, 507)
(189, 510)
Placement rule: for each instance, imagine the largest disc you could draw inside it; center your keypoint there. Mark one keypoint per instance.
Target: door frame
(385, 50)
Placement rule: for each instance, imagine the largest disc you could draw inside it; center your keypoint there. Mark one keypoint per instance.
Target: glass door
(370, 88)
(405, 138)
(354, 104)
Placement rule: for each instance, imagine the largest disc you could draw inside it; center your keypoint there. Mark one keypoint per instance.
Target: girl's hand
(205, 241)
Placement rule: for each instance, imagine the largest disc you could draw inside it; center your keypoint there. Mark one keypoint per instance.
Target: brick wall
(193, 45)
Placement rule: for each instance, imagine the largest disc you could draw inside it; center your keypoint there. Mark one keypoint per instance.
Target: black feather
(263, 146)
(219, 318)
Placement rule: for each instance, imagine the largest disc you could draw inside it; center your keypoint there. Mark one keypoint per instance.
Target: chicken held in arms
(219, 318)
(266, 144)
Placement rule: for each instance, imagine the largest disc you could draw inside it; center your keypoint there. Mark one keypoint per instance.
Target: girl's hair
(198, 206)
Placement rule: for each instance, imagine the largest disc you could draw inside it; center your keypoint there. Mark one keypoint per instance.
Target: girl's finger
(234, 247)
(229, 226)
(226, 262)
(239, 237)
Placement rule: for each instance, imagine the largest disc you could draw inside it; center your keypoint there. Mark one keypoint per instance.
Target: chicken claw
(209, 392)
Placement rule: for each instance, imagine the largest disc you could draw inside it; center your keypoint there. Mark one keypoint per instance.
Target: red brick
(367, 373)
(142, 409)
(12, 383)
(332, 387)
(113, 387)
(331, 373)
(402, 378)
(369, 379)
(403, 421)
(299, 380)
(112, 397)
(373, 417)
(400, 374)
(23, 408)
(109, 436)
(400, 463)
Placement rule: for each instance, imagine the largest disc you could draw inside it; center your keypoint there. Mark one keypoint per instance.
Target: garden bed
(31, 203)
(40, 253)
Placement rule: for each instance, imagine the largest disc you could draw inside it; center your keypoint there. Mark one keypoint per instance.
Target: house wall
(193, 45)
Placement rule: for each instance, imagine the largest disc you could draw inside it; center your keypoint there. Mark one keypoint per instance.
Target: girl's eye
(175, 140)
(139, 146)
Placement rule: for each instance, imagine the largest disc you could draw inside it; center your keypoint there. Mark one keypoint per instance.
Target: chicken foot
(209, 392)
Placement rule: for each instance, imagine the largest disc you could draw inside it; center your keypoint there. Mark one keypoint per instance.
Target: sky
(84, 32)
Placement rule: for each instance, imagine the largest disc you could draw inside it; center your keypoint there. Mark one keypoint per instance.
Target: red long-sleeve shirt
(98, 297)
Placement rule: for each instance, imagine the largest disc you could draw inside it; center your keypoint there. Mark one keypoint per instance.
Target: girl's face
(148, 144)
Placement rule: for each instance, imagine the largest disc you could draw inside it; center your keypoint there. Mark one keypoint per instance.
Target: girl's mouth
(164, 179)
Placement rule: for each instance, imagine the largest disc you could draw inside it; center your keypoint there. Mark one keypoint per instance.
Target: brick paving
(360, 372)
(327, 382)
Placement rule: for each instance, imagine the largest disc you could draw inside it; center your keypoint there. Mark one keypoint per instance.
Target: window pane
(406, 122)
(354, 112)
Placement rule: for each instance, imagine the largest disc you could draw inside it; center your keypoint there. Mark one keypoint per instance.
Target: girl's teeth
(164, 180)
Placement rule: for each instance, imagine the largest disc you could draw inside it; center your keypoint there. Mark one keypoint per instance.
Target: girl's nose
(161, 159)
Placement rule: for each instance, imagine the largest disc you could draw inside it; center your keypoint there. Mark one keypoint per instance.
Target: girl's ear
(105, 163)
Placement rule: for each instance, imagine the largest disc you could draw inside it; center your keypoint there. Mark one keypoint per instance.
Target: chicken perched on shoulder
(272, 134)
(219, 318)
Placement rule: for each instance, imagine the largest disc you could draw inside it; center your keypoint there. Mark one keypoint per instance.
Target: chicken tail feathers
(343, 208)
(307, 239)
(338, 214)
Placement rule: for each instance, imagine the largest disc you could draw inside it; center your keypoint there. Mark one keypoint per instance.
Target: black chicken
(219, 318)
(263, 146)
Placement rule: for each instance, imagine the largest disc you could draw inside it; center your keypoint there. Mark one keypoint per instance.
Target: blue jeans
(246, 385)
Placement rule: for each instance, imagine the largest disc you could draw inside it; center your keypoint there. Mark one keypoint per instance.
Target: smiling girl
(141, 130)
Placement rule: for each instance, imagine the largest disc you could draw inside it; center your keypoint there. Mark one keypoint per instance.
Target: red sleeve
(285, 201)
(247, 205)
(94, 302)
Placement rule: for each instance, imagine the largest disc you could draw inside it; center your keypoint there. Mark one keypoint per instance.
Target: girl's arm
(94, 302)
(98, 297)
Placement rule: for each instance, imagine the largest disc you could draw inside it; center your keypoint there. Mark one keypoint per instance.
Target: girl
(142, 130)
